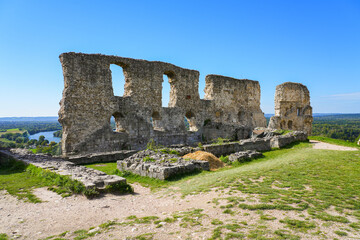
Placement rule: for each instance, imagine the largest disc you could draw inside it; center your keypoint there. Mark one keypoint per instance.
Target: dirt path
(328, 146)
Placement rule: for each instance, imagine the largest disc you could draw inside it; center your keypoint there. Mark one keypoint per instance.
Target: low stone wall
(244, 156)
(101, 157)
(91, 178)
(257, 144)
(160, 165)
(284, 140)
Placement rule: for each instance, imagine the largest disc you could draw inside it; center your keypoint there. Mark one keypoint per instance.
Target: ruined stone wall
(234, 100)
(88, 103)
(292, 108)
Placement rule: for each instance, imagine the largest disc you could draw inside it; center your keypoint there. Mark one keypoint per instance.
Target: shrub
(225, 159)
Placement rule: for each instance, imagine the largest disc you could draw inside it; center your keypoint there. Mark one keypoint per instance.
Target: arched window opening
(155, 121)
(290, 123)
(190, 121)
(241, 116)
(156, 116)
(118, 79)
(117, 122)
(166, 88)
(282, 124)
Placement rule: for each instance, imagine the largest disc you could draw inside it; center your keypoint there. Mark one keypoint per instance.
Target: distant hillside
(336, 116)
(29, 119)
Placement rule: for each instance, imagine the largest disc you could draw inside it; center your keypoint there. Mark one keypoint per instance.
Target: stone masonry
(230, 109)
(91, 178)
(292, 108)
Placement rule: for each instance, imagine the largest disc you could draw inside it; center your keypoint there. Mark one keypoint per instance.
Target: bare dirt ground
(328, 146)
(56, 215)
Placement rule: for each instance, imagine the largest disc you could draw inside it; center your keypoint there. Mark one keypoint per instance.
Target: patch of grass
(225, 159)
(145, 236)
(285, 234)
(12, 130)
(216, 222)
(220, 141)
(144, 220)
(190, 218)
(81, 234)
(267, 217)
(229, 211)
(327, 217)
(283, 132)
(300, 225)
(3, 236)
(148, 159)
(341, 233)
(355, 225)
(169, 151)
(108, 224)
(218, 232)
(334, 141)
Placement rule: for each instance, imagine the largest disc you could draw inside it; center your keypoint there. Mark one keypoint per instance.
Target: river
(48, 136)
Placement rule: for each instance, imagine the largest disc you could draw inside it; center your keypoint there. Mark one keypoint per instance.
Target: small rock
(94, 230)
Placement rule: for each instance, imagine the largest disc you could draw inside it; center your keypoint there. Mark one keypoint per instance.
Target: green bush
(225, 159)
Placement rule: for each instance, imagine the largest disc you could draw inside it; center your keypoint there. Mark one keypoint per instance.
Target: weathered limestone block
(284, 140)
(89, 102)
(244, 156)
(258, 144)
(292, 108)
(222, 149)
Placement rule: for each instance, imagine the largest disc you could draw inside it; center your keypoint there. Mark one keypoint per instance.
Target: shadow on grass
(10, 165)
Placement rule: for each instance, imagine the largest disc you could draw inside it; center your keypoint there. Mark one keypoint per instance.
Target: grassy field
(13, 130)
(316, 192)
(19, 180)
(321, 186)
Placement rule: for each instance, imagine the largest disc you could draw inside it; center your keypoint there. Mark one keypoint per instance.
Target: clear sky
(314, 42)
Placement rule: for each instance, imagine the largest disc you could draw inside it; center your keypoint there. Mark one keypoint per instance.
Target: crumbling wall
(88, 103)
(292, 108)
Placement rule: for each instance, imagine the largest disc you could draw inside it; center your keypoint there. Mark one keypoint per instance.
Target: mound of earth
(215, 163)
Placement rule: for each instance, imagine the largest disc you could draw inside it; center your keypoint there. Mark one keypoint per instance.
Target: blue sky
(316, 43)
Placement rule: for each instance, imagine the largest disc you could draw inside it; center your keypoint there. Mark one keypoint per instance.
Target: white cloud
(345, 96)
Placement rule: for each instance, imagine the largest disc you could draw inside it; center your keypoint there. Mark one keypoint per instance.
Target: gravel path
(328, 146)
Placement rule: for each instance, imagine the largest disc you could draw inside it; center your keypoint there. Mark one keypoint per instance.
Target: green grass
(19, 179)
(3, 236)
(335, 141)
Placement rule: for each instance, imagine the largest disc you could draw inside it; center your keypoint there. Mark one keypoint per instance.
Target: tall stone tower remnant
(292, 108)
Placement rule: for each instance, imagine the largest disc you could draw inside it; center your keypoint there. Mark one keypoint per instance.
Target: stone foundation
(91, 178)
(160, 165)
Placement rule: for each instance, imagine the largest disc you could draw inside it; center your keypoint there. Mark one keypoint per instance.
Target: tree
(41, 138)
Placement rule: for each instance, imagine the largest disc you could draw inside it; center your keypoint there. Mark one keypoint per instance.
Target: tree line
(32, 127)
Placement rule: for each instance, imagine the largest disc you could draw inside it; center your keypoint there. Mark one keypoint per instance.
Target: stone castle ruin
(230, 108)
(292, 108)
